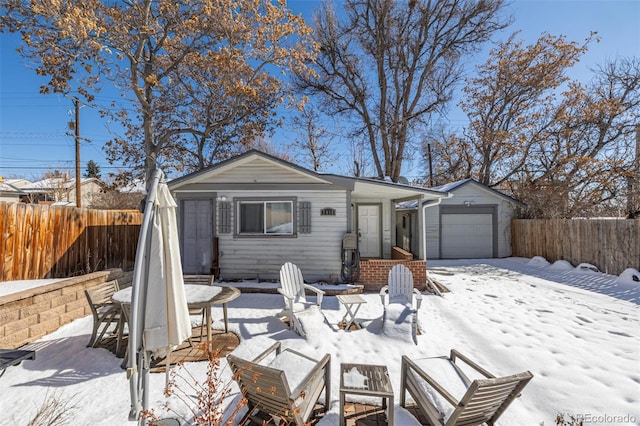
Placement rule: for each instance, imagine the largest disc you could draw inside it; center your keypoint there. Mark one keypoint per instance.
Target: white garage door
(467, 236)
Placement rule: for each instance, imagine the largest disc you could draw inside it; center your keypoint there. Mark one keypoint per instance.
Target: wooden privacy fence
(57, 242)
(613, 245)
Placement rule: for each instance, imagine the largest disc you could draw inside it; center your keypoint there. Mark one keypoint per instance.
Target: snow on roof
(56, 183)
(6, 187)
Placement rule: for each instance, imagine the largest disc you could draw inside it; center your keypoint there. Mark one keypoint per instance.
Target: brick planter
(374, 273)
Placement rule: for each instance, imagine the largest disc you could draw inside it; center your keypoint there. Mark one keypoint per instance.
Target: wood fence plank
(18, 245)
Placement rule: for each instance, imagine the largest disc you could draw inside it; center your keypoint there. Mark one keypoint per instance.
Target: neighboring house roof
(9, 189)
(58, 183)
(17, 182)
(6, 187)
(453, 186)
(356, 184)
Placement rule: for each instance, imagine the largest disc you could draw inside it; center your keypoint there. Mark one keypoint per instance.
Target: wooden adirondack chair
(285, 387)
(459, 401)
(400, 287)
(293, 289)
(105, 312)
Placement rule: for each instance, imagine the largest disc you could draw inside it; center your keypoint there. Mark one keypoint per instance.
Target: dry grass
(54, 411)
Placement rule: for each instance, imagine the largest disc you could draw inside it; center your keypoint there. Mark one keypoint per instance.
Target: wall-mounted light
(221, 198)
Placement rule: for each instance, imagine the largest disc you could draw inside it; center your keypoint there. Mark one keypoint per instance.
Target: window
(265, 218)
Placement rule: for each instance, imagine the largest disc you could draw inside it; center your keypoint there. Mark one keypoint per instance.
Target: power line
(62, 167)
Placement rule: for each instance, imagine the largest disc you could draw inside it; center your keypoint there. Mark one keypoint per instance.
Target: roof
(8, 188)
(17, 182)
(453, 186)
(356, 184)
(57, 183)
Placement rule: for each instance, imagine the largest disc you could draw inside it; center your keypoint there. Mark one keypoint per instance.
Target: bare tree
(562, 147)
(390, 64)
(161, 55)
(313, 141)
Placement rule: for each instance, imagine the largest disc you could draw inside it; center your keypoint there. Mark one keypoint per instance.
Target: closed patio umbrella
(159, 314)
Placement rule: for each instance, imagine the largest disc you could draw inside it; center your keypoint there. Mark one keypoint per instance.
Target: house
(248, 215)
(473, 223)
(61, 190)
(16, 182)
(9, 193)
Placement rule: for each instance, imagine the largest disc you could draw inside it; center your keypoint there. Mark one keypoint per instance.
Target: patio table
(349, 301)
(198, 297)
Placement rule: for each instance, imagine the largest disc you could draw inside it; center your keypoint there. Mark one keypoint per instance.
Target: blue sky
(34, 133)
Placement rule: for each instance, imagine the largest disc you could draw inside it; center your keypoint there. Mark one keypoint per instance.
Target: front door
(197, 240)
(369, 241)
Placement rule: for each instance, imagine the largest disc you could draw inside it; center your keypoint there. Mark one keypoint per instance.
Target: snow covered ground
(576, 330)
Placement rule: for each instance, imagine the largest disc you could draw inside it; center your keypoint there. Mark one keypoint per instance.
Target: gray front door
(369, 222)
(197, 231)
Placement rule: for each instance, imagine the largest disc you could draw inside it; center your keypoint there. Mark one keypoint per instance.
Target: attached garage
(473, 223)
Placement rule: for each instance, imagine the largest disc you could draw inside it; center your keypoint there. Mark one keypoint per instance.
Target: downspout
(424, 241)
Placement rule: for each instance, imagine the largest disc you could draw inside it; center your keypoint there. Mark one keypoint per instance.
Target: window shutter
(304, 226)
(224, 223)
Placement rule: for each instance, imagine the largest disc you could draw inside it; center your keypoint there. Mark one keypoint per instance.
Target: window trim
(294, 216)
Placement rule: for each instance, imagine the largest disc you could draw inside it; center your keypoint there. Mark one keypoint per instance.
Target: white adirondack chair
(293, 289)
(400, 288)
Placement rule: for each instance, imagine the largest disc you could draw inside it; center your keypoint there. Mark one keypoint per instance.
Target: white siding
(432, 226)
(318, 254)
(260, 171)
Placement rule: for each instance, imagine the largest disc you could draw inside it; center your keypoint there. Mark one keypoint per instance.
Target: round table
(198, 297)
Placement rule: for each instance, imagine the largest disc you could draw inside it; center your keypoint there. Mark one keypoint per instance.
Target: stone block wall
(374, 273)
(28, 315)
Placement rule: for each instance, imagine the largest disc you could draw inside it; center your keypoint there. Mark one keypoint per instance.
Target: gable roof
(7, 188)
(453, 186)
(294, 172)
(244, 159)
(58, 183)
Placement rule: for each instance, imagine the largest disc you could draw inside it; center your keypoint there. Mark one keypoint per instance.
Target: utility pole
(430, 165)
(76, 104)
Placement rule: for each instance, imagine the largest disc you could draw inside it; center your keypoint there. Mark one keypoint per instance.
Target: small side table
(350, 301)
(368, 380)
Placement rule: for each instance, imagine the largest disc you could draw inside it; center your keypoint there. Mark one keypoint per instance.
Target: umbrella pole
(140, 274)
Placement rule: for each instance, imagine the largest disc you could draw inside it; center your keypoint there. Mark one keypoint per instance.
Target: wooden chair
(400, 287)
(459, 401)
(105, 312)
(293, 289)
(285, 387)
